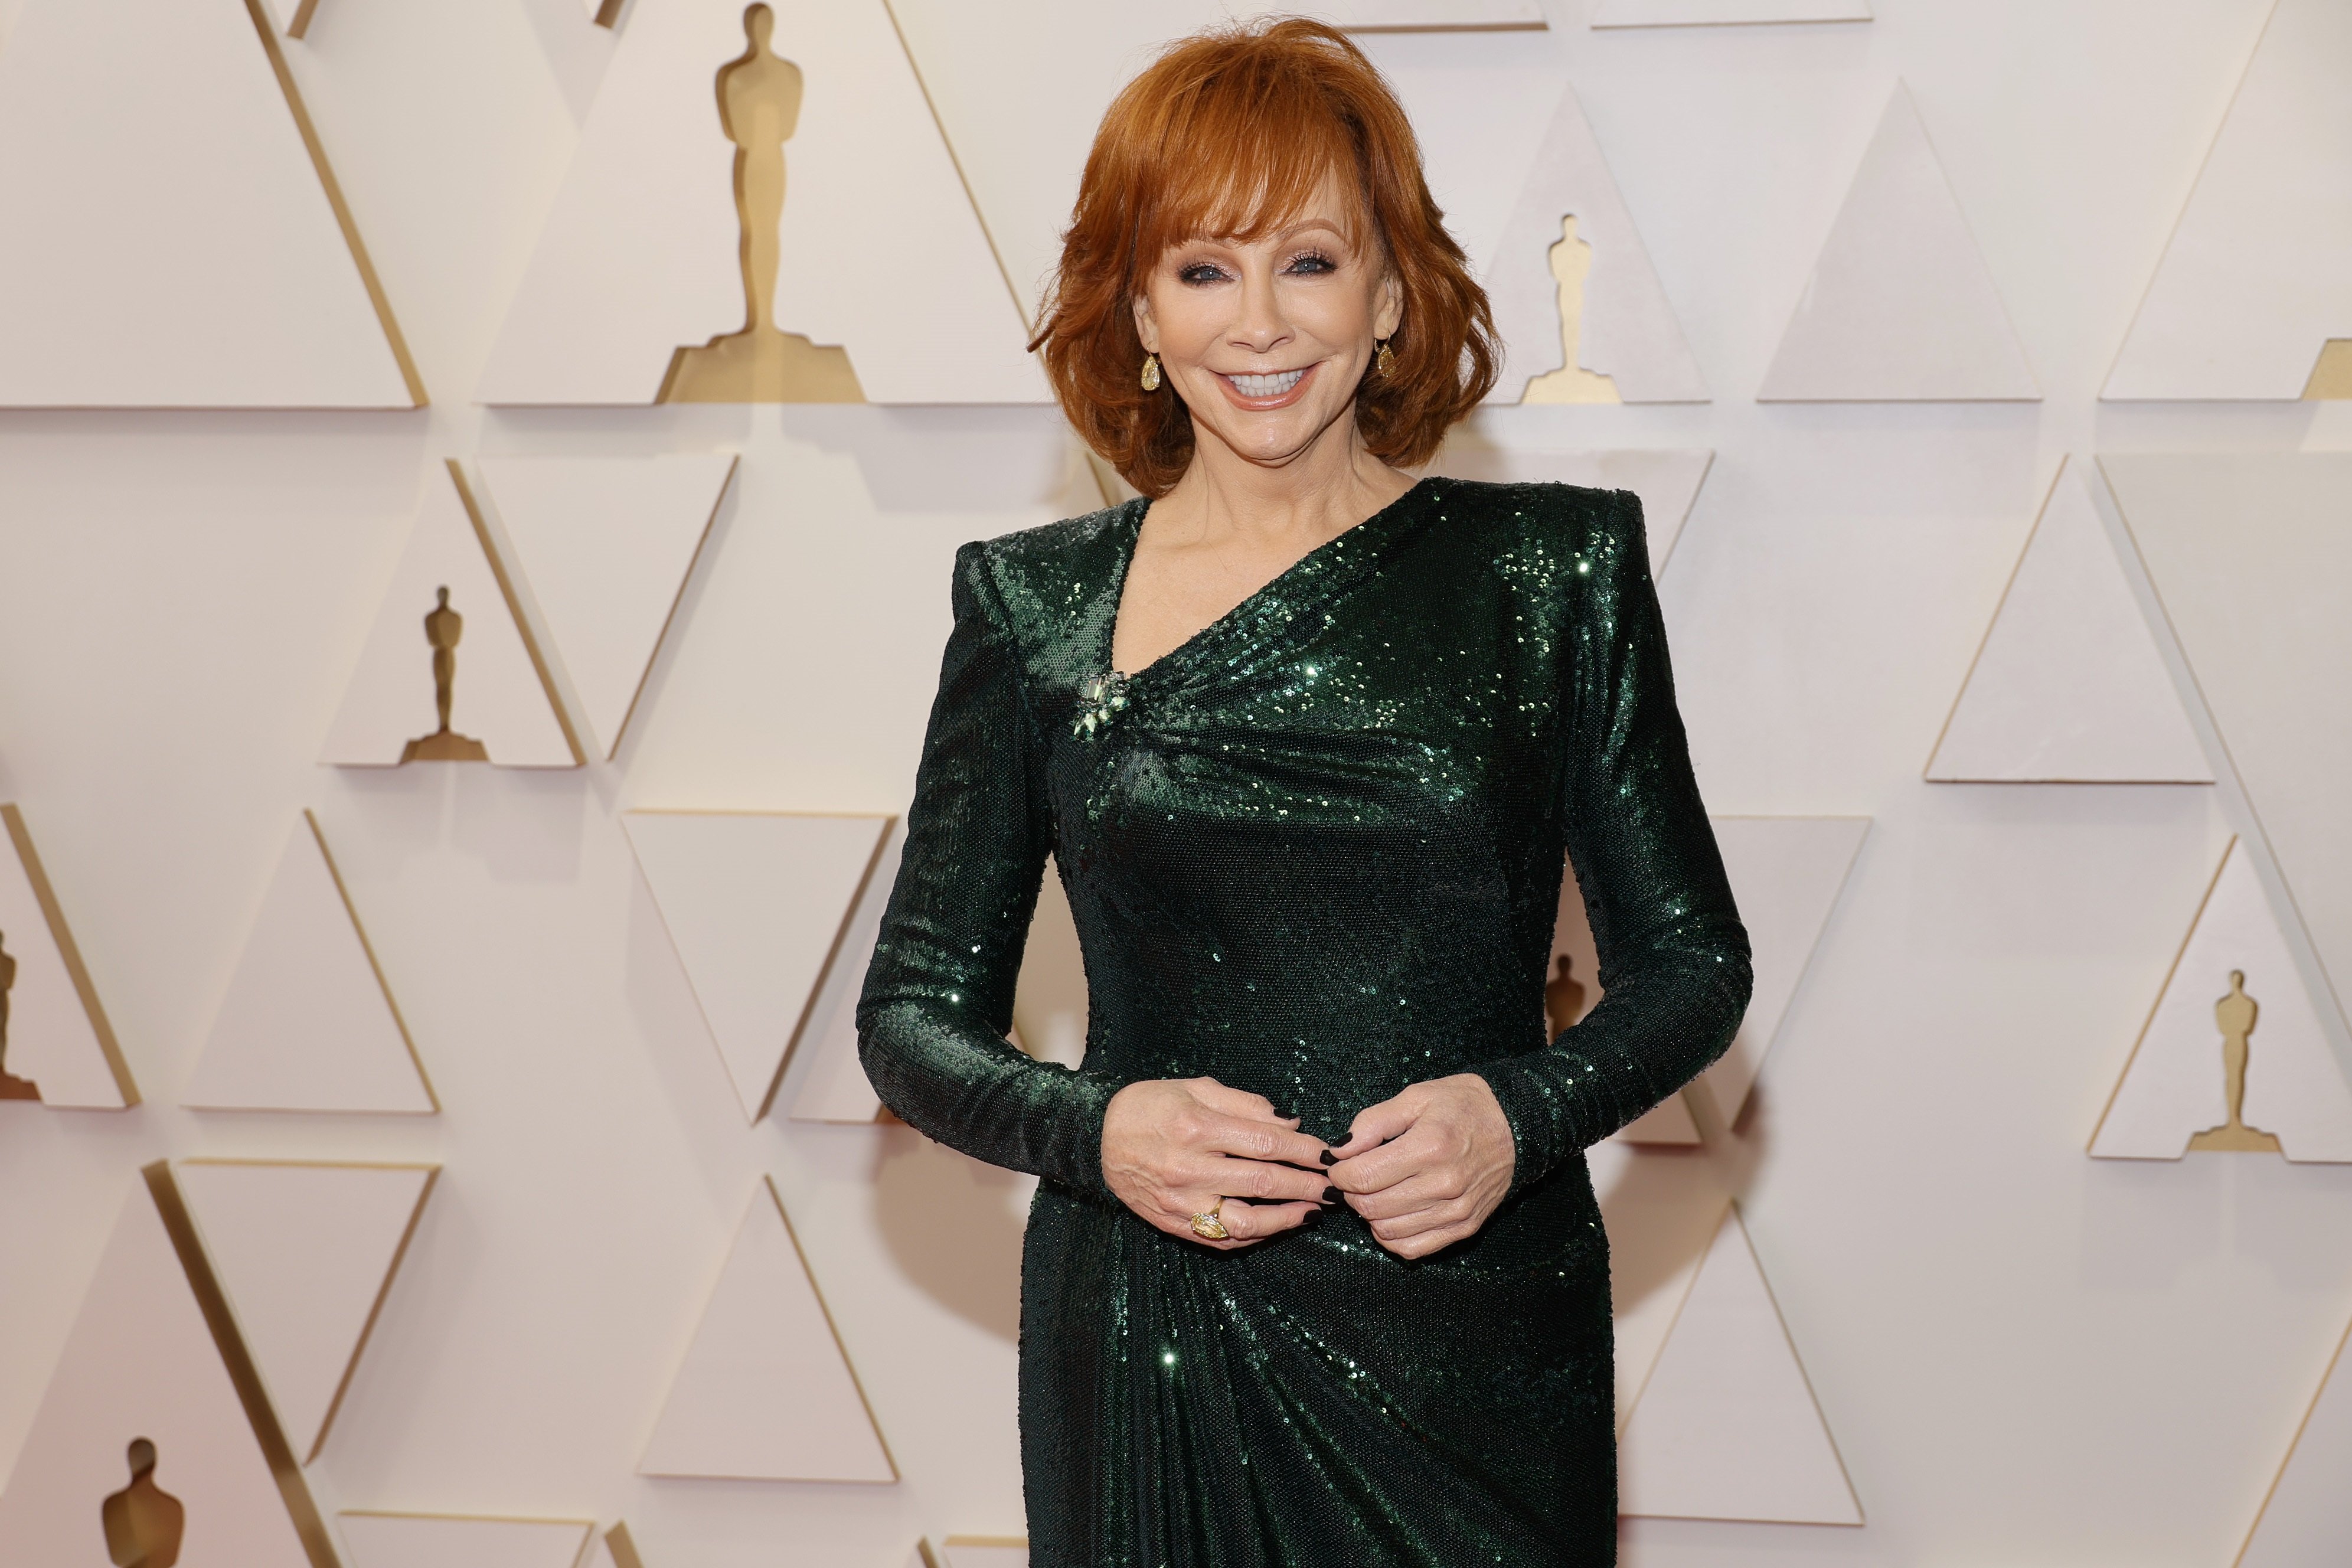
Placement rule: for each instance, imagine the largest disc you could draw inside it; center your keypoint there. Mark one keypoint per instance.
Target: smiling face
(1266, 338)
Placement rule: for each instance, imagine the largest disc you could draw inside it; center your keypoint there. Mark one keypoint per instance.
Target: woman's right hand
(1173, 1147)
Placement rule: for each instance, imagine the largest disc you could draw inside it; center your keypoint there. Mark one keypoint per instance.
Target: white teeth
(1266, 385)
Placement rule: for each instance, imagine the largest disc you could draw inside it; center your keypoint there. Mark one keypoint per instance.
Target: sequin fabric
(1316, 853)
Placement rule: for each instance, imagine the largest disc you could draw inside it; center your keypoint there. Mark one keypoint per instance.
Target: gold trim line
(514, 608)
(62, 936)
(359, 930)
(327, 181)
(308, 1527)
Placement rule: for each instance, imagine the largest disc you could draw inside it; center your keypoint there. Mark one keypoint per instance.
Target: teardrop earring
(1382, 360)
(1150, 373)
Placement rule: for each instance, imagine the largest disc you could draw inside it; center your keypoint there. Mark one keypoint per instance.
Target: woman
(1315, 1274)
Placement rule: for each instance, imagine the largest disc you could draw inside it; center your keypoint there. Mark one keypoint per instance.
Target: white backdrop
(2026, 1356)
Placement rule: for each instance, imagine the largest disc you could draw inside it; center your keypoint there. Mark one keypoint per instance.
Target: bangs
(1244, 151)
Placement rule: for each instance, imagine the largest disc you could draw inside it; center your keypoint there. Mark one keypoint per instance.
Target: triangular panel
(1786, 874)
(882, 256)
(2258, 274)
(308, 1023)
(606, 545)
(1666, 479)
(177, 240)
(56, 1045)
(2250, 555)
(1662, 1209)
(2307, 1517)
(766, 1391)
(1624, 328)
(2175, 1085)
(833, 1085)
(2069, 685)
(1727, 1427)
(755, 904)
(1900, 306)
(1669, 1122)
(500, 698)
(1049, 1003)
(305, 1254)
(1494, 117)
(454, 1540)
(153, 1354)
(1724, 13)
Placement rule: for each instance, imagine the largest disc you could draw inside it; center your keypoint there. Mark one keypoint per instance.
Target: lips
(1263, 393)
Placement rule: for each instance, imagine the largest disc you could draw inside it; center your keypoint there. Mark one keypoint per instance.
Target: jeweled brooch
(1100, 697)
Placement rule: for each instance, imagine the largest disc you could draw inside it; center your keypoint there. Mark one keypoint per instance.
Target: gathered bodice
(1315, 851)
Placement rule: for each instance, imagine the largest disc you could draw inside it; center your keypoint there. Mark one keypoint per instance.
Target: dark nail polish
(1329, 1158)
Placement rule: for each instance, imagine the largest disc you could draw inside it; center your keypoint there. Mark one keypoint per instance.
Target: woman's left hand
(1428, 1167)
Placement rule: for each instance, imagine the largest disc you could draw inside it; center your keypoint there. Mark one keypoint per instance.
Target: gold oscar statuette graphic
(2235, 1013)
(759, 105)
(1571, 263)
(443, 628)
(144, 1522)
(11, 1086)
(1564, 996)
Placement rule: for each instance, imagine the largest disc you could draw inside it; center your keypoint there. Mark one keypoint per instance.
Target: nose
(1261, 327)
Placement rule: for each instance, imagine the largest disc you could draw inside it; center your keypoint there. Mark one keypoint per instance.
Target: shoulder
(1036, 578)
(1567, 528)
(1054, 546)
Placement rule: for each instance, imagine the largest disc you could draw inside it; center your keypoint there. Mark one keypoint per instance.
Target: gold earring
(1150, 373)
(1383, 359)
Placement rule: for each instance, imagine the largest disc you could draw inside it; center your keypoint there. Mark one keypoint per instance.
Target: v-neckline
(1313, 559)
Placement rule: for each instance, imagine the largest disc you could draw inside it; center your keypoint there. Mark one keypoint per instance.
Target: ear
(1147, 326)
(1388, 304)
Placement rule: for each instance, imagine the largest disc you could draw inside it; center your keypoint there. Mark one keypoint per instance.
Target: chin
(1276, 440)
(1273, 452)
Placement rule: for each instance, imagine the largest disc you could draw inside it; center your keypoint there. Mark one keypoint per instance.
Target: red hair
(1231, 132)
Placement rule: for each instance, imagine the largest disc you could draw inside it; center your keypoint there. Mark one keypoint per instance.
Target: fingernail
(1329, 1158)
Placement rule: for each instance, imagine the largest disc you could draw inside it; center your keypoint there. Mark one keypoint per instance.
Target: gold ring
(1209, 1227)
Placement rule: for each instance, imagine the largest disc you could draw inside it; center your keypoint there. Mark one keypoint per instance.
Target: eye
(1201, 272)
(1311, 263)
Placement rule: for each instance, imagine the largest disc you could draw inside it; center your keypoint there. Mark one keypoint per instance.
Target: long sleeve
(932, 1021)
(1674, 972)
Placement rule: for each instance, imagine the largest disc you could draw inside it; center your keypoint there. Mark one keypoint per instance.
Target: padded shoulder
(1051, 542)
(1052, 582)
(1577, 529)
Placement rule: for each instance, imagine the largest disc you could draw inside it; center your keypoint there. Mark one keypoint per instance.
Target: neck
(1315, 494)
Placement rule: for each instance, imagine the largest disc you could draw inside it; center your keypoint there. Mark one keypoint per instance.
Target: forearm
(945, 1075)
(1654, 1030)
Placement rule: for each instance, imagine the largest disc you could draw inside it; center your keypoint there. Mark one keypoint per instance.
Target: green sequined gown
(1316, 853)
